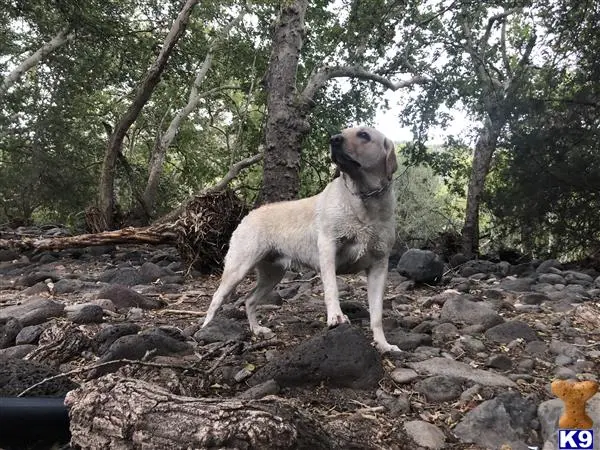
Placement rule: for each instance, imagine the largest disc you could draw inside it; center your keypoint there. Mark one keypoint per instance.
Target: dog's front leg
(327, 250)
(376, 279)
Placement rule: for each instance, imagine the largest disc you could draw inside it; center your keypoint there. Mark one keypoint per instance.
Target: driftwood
(124, 413)
(147, 235)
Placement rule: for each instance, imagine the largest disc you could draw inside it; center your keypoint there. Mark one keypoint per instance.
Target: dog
(347, 228)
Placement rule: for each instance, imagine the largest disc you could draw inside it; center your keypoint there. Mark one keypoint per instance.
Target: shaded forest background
(133, 106)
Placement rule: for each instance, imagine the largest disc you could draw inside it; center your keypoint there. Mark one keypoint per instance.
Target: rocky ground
(479, 348)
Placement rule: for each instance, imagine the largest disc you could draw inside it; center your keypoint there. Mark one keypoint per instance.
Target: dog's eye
(364, 135)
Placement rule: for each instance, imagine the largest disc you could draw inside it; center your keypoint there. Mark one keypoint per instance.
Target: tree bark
(125, 413)
(30, 62)
(286, 125)
(482, 158)
(143, 93)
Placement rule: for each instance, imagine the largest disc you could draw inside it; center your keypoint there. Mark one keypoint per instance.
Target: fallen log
(130, 235)
(125, 413)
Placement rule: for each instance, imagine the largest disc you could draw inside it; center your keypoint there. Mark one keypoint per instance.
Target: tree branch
(233, 172)
(60, 39)
(503, 50)
(323, 74)
(500, 16)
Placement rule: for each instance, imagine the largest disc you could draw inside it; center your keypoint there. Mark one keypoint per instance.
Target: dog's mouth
(343, 159)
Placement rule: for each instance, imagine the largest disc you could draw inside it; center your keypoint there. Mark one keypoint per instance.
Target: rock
(545, 266)
(34, 311)
(444, 332)
(269, 387)
(533, 298)
(516, 284)
(16, 375)
(29, 334)
(563, 348)
(9, 329)
(67, 285)
(509, 331)
(85, 313)
(500, 362)
(105, 304)
(354, 310)
(425, 434)
(397, 405)
(151, 272)
(439, 388)
(422, 266)
(472, 344)
(135, 346)
(123, 297)
(403, 376)
(35, 277)
(16, 351)
(551, 278)
(537, 348)
(477, 266)
(222, 329)
(8, 255)
(338, 357)
(407, 341)
(565, 373)
(508, 419)
(105, 337)
(127, 276)
(451, 368)
(462, 310)
(457, 260)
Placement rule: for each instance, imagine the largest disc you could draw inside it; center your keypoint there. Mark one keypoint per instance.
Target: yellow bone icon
(574, 395)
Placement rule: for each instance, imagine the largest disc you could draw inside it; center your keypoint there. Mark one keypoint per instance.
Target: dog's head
(365, 154)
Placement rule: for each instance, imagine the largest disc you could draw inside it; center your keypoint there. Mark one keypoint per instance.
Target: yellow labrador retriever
(348, 227)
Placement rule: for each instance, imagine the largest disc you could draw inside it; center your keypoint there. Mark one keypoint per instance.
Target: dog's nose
(336, 140)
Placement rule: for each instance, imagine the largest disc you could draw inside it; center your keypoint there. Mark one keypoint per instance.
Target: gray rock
(545, 266)
(269, 387)
(563, 360)
(354, 310)
(407, 341)
(572, 275)
(151, 272)
(30, 279)
(500, 362)
(16, 351)
(440, 388)
(338, 357)
(507, 419)
(565, 373)
(551, 278)
(477, 266)
(395, 404)
(509, 331)
(30, 334)
(533, 298)
(537, 348)
(127, 276)
(422, 266)
(33, 311)
(67, 285)
(8, 255)
(444, 332)
(472, 344)
(516, 284)
(85, 313)
(458, 259)
(16, 375)
(123, 297)
(222, 329)
(9, 329)
(403, 376)
(564, 348)
(449, 367)
(425, 434)
(105, 337)
(462, 310)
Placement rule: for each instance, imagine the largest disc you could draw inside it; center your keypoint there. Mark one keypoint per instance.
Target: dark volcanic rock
(407, 341)
(16, 375)
(422, 266)
(439, 388)
(340, 357)
(86, 313)
(123, 297)
(509, 331)
(105, 337)
(461, 309)
(30, 334)
(9, 329)
(34, 311)
(221, 329)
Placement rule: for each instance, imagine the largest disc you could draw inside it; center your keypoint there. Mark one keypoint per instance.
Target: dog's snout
(336, 140)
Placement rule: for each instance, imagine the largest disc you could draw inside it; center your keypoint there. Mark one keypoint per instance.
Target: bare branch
(321, 76)
(60, 39)
(500, 16)
(233, 172)
(503, 50)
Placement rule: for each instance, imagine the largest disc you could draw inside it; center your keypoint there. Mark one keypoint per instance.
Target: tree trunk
(286, 125)
(144, 91)
(57, 41)
(482, 158)
(125, 413)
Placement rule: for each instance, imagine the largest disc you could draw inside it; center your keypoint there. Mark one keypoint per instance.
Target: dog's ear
(391, 162)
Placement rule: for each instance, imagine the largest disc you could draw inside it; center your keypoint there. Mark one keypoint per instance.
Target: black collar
(368, 194)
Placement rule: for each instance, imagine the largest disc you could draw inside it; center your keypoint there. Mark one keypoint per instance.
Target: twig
(182, 311)
(263, 344)
(220, 359)
(104, 364)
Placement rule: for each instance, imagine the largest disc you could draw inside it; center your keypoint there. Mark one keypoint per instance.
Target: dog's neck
(365, 194)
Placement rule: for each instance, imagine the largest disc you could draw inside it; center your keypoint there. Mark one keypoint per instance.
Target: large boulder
(422, 266)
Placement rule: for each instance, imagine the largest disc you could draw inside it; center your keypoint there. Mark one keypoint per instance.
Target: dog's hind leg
(268, 275)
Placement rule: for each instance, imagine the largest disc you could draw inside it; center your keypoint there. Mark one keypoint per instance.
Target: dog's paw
(337, 319)
(384, 347)
(263, 332)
